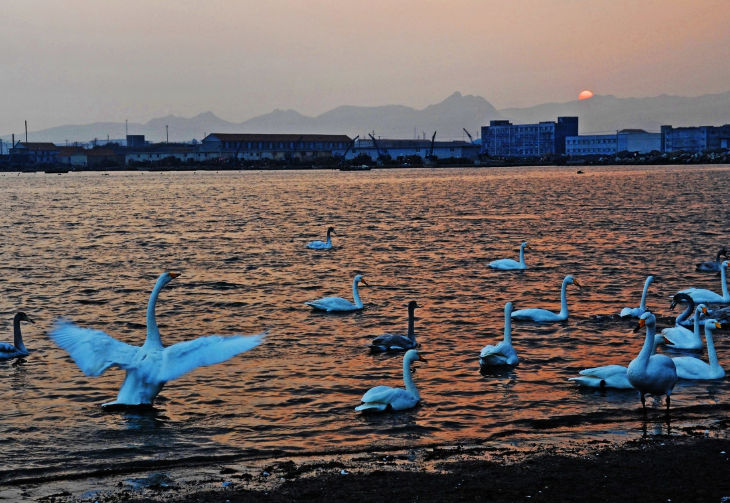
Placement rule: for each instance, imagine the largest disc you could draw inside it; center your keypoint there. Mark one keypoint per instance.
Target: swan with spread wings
(152, 365)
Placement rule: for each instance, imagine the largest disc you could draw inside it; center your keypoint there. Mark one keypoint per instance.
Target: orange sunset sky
(80, 61)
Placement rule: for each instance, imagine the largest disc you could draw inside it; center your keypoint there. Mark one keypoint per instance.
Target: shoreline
(695, 459)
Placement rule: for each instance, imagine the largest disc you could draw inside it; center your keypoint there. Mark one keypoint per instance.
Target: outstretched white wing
(183, 357)
(92, 350)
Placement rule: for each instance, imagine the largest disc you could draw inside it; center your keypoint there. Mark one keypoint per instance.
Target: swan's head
(681, 297)
(360, 279)
(525, 246)
(508, 308)
(722, 252)
(412, 305)
(646, 319)
(166, 277)
(650, 279)
(23, 317)
(572, 280)
(725, 264)
(331, 229)
(412, 355)
(701, 309)
(713, 324)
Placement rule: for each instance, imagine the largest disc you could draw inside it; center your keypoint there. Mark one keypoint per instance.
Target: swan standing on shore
(507, 264)
(650, 373)
(338, 304)
(390, 342)
(503, 353)
(638, 311)
(712, 266)
(382, 398)
(543, 315)
(689, 367)
(149, 367)
(17, 348)
(322, 245)
(708, 296)
(681, 338)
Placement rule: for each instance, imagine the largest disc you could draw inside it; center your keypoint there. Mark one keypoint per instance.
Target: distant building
(72, 156)
(407, 148)
(502, 138)
(135, 140)
(273, 146)
(631, 140)
(694, 139)
(31, 153)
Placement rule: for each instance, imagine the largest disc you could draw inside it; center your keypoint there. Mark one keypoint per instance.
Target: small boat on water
(364, 167)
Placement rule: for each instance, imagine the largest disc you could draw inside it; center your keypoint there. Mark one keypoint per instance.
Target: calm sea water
(89, 247)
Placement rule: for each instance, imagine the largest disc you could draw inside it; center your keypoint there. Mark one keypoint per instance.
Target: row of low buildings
(499, 139)
(503, 139)
(249, 147)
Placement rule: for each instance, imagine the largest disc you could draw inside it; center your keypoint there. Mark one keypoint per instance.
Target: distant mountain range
(598, 114)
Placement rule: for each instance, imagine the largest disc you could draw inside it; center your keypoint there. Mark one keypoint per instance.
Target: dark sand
(693, 466)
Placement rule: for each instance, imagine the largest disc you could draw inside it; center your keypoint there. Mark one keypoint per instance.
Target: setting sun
(585, 95)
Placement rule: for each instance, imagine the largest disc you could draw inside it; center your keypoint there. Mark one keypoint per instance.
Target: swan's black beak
(674, 304)
(421, 358)
(642, 324)
(27, 318)
(575, 282)
(174, 275)
(364, 282)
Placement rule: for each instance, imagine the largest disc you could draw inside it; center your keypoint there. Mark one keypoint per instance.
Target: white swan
(681, 338)
(149, 367)
(712, 265)
(382, 398)
(17, 348)
(322, 245)
(638, 311)
(708, 296)
(503, 353)
(689, 367)
(543, 315)
(648, 373)
(609, 376)
(507, 264)
(390, 342)
(334, 304)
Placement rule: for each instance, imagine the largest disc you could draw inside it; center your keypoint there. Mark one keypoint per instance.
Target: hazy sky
(80, 61)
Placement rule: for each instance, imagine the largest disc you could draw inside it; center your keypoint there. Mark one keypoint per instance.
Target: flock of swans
(152, 365)
(649, 373)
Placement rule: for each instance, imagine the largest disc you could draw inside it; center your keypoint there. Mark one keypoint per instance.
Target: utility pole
(26, 131)
(126, 127)
(167, 134)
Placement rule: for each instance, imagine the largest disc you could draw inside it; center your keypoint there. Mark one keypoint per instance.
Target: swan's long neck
(17, 336)
(356, 295)
(412, 325)
(153, 333)
(714, 364)
(648, 349)
(723, 278)
(563, 299)
(686, 314)
(408, 379)
(522, 255)
(717, 258)
(698, 313)
(643, 294)
(508, 325)
(329, 238)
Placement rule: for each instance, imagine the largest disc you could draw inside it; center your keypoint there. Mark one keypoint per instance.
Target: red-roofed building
(274, 146)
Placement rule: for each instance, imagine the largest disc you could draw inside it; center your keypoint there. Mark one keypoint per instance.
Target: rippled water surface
(89, 247)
